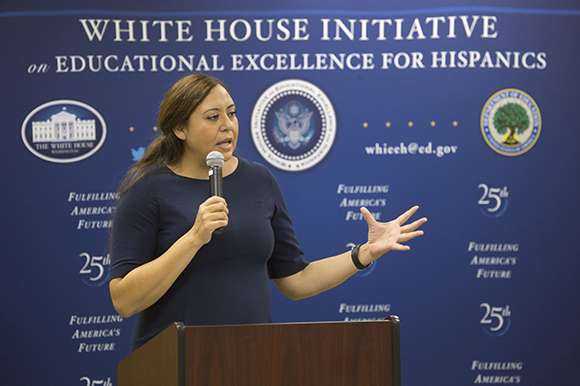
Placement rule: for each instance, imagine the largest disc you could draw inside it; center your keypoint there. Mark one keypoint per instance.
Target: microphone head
(215, 158)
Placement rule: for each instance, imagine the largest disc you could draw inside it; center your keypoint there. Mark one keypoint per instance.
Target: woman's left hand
(384, 237)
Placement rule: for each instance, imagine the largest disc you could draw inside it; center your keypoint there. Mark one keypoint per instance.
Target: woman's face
(212, 126)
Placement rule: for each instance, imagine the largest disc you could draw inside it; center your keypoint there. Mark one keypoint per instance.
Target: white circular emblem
(293, 125)
(64, 131)
(511, 122)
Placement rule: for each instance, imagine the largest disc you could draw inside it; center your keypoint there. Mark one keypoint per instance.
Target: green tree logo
(513, 117)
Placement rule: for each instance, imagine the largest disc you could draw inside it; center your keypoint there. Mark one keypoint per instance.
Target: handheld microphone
(215, 161)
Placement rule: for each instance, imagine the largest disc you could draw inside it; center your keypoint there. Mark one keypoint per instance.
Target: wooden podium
(304, 354)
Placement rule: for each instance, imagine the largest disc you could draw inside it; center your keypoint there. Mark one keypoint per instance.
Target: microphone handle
(215, 181)
(216, 188)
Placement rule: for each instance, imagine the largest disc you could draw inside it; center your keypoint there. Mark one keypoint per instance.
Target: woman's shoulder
(257, 174)
(247, 166)
(148, 185)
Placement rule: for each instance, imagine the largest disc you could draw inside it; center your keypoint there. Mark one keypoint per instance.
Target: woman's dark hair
(177, 106)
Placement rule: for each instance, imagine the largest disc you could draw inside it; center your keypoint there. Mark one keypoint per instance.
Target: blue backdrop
(407, 102)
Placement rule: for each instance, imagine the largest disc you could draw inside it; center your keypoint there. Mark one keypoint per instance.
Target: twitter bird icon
(137, 154)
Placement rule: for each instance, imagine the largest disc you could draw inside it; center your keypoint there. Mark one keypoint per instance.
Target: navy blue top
(227, 280)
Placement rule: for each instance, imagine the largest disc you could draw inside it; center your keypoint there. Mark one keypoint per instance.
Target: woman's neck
(198, 171)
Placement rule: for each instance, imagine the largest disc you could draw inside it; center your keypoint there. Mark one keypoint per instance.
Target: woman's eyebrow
(217, 109)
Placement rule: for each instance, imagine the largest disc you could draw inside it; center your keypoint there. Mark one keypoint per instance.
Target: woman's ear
(179, 132)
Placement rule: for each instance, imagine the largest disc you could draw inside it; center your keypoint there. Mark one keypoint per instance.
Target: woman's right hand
(212, 214)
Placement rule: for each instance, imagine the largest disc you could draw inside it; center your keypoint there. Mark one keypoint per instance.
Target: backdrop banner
(467, 109)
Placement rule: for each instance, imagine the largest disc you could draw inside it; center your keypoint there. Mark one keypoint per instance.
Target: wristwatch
(355, 260)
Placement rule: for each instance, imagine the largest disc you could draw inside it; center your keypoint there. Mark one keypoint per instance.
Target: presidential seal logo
(511, 122)
(64, 131)
(293, 125)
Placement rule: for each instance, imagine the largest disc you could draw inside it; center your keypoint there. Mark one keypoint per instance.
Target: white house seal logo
(64, 131)
(511, 122)
(293, 125)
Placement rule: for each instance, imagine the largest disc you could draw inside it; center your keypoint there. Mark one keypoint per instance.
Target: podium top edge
(393, 319)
